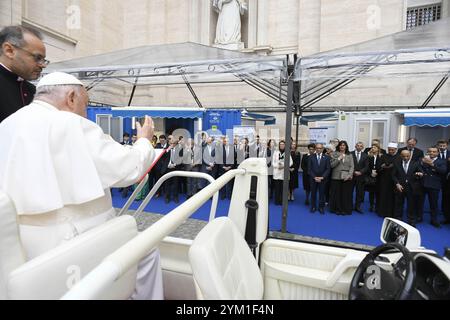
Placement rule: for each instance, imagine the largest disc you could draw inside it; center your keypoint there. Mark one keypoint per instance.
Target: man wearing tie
(416, 153)
(406, 175)
(360, 160)
(209, 162)
(433, 169)
(319, 169)
(175, 159)
(257, 149)
(225, 161)
(444, 154)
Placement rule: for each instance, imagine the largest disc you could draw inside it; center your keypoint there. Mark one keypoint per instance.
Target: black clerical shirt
(15, 93)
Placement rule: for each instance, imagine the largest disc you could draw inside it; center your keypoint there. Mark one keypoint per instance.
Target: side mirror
(394, 230)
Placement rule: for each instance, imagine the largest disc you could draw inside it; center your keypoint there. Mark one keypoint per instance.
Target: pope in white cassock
(58, 168)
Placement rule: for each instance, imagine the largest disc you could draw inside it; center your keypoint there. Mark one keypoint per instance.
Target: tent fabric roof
(268, 120)
(304, 120)
(409, 55)
(426, 118)
(169, 60)
(427, 47)
(139, 112)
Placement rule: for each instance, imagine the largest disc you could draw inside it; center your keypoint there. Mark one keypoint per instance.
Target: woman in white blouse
(278, 171)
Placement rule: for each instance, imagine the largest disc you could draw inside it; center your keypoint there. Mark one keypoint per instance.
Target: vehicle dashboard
(431, 282)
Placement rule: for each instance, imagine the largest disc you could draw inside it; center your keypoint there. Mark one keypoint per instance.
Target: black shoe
(306, 203)
(435, 224)
(312, 210)
(176, 200)
(419, 220)
(371, 209)
(358, 209)
(322, 211)
(167, 200)
(445, 222)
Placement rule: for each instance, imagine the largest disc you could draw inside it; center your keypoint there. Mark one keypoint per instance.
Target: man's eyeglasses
(37, 57)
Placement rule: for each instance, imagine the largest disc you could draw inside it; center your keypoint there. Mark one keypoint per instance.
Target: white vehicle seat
(223, 265)
(52, 274)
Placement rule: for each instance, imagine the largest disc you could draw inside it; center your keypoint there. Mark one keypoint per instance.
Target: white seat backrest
(52, 274)
(223, 265)
(11, 251)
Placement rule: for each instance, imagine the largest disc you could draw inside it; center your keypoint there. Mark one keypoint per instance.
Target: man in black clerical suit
(22, 58)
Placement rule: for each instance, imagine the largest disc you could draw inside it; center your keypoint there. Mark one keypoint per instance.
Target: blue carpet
(357, 228)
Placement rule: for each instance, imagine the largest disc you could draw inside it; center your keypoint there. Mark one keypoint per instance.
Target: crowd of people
(391, 178)
(332, 176)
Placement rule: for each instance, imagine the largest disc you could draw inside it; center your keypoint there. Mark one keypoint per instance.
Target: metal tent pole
(287, 153)
(435, 91)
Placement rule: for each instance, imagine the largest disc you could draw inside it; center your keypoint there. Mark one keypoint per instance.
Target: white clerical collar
(46, 105)
(1, 64)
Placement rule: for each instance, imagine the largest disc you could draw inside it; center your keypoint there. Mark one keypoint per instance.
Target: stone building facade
(76, 28)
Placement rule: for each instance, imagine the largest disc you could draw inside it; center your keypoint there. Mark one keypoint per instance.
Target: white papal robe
(58, 168)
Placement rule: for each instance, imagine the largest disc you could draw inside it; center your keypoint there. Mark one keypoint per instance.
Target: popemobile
(232, 257)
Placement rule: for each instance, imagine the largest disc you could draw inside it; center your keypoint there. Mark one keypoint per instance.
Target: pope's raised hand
(145, 130)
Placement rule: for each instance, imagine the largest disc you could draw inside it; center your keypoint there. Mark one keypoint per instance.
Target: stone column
(194, 20)
(10, 12)
(252, 23)
(205, 22)
(263, 21)
(309, 27)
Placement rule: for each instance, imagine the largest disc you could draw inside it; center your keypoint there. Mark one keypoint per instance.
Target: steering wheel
(373, 282)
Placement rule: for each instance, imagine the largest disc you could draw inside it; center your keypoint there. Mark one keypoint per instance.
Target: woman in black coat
(293, 181)
(305, 176)
(269, 154)
(372, 183)
(386, 186)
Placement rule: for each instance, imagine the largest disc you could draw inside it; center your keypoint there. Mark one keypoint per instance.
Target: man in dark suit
(160, 165)
(126, 139)
(406, 175)
(319, 169)
(226, 160)
(375, 142)
(433, 169)
(416, 153)
(22, 58)
(360, 160)
(209, 160)
(173, 162)
(444, 154)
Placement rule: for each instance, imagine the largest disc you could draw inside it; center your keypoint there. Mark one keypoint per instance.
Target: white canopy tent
(133, 71)
(369, 70)
(402, 69)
